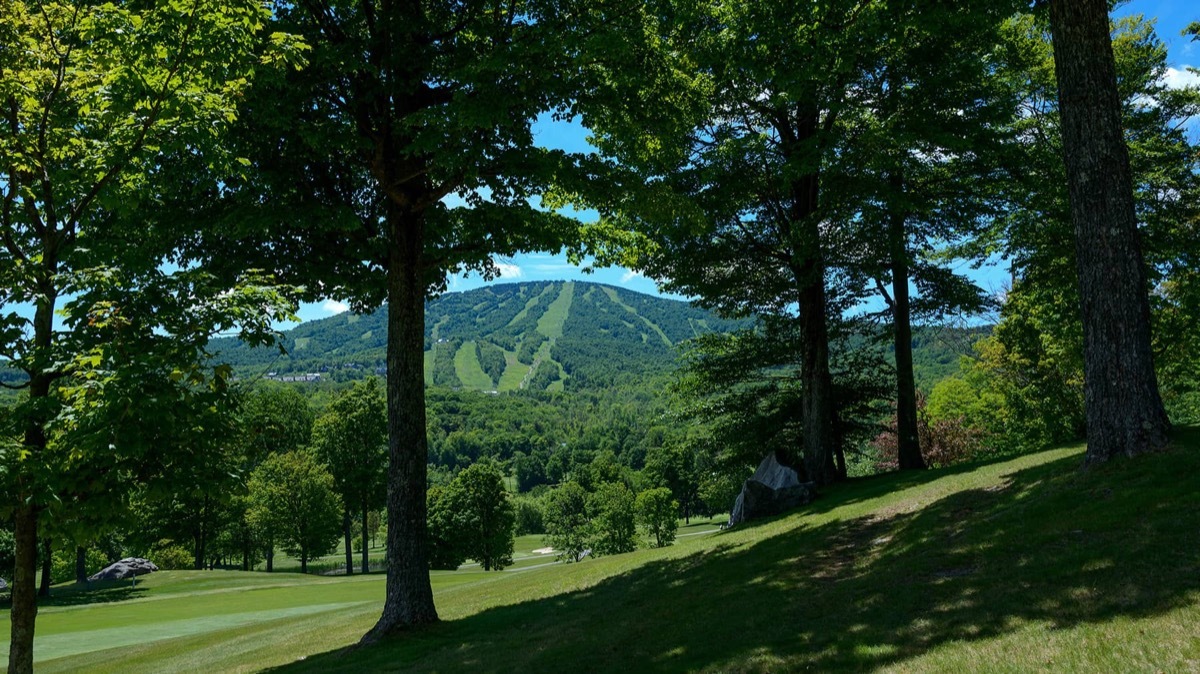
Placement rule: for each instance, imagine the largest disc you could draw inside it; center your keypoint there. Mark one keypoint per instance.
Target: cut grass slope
(1016, 566)
(1020, 565)
(470, 373)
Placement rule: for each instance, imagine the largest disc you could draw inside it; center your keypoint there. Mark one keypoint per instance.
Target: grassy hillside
(497, 338)
(1029, 564)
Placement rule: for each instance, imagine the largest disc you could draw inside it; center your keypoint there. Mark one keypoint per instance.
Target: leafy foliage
(293, 495)
(656, 513)
(567, 521)
(472, 517)
(613, 519)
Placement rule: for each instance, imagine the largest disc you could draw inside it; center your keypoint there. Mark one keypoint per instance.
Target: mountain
(534, 336)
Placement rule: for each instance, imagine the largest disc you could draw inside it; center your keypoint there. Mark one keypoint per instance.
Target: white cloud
(630, 275)
(553, 267)
(509, 270)
(1178, 78)
(334, 306)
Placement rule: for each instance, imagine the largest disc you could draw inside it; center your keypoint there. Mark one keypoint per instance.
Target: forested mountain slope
(532, 336)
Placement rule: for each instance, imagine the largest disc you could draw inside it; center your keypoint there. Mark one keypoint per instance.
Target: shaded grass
(1018, 565)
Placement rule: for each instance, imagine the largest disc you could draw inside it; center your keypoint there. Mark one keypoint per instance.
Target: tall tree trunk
(81, 564)
(908, 442)
(270, 554)
(1125, 413)
(303, 562)
(23, 614)
(346, 533)
(366, 553)
(818, 413)
(47, 566)
(817, 408)
(24, 590)
(817, 405)
(409, 599)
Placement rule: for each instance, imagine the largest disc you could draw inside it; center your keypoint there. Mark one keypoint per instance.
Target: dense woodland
(814, 175)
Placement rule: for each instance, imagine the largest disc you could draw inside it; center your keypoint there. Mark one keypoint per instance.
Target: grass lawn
(1028, 564)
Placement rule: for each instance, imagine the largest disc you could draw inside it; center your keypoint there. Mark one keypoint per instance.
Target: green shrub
(62, 565)
(169, 557)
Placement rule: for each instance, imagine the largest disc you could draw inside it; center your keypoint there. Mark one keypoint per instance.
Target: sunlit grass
(1028, 564)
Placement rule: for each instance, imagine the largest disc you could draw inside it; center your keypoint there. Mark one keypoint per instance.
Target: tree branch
(151, 118)
(883, 291)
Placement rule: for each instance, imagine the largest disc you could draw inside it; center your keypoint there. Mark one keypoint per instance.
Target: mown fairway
(1028, 564)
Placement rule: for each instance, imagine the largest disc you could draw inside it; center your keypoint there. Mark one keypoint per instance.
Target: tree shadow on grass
(1049, 544)
(77, 594)
(860, 489)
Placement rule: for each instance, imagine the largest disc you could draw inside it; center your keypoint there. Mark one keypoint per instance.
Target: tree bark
(24, 590)
(349, 548)
(817, 402)
(818, 413)
(199, 540)
(908, 442)
(81, 574)
(409, 599)
(1125, 413)
(270, 554)
(817, 408)
(366, 553)
(23, 614)
(47, 566)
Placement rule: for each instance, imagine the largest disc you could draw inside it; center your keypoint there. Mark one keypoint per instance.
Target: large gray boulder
(125, 569)
(774, 488)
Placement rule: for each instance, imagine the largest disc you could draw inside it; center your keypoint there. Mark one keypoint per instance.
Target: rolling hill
(533, 336)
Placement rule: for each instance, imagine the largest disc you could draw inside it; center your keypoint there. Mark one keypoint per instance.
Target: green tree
(275, 419)
(402, 152)
(920, 162)
(567, 521)
(351, 438)
(1125, 412)
(740, 182)
(484, 515)
(1031, 373)
(530, 515)
(96, 97)
(446, 544)
(657, 513)
(613, 519)
(674, 466)
(293, 495)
